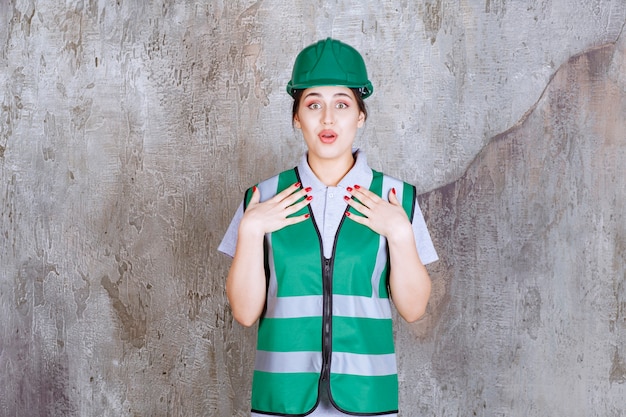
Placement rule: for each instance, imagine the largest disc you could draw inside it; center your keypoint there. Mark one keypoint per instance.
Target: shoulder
(405, 192)
(388, 182)
(273, 185)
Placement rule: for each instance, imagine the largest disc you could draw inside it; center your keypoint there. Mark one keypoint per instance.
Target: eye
(314, 106)
(341, 105)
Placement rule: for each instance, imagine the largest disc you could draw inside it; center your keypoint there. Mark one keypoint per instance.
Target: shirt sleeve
(424, 243)
(229, 241)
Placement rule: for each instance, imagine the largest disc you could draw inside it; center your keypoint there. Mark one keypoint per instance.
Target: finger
(297, 219)
(287, 192)
(359, 219)
(364, 195)
(296, 207)
(256, 196)
(358, 206)
(393, 198)
(296, 197)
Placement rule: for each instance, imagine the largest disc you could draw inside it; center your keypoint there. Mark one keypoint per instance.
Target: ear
(361, 121)
(296, 122)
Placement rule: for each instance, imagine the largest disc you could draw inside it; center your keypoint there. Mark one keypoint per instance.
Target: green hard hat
(329, 62)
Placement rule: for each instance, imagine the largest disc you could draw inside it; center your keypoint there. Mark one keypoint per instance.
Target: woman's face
(329, 118)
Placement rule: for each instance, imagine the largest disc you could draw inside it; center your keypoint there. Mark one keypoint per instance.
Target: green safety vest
(326, 319)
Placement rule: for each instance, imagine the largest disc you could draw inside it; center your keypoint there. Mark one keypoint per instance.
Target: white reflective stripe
(379, 266)
(388, 184)
(272, 286)
(381, 255)
(355, 306)
(288, 362)
(291, 307)
(366, 365)
(268, 188)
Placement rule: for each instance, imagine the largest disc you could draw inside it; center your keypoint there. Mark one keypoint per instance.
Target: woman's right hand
(273, 214)
(246, 283)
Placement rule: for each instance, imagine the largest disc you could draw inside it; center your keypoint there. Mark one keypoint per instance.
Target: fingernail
(349, 189)
(254, 188)
(309, 198)
(345, 197)
(348, 214)
(393, 190)
(357, 186)
(308, 189)
(297, 185)
(306, 216)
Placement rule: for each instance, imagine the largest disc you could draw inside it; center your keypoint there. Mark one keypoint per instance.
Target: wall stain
(81, 113)
(12, 107)
(618, 370)
(81, 295)
(32, 272)
(432, 16)
(132, 317)
(497, 7)
(531, 313)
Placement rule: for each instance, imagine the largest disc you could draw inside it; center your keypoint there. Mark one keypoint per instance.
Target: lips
(327, 136)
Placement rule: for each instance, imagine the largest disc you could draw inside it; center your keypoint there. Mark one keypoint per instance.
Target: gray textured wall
(128, 131)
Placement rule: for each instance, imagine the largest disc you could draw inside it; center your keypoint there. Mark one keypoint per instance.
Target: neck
(331, 171)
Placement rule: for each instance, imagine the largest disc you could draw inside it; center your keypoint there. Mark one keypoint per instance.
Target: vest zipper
(327, 301)
(327, 319)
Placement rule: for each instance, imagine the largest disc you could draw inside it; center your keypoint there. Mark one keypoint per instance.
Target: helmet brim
(365, 90)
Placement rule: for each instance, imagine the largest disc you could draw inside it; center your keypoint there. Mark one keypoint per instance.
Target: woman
(319, 249)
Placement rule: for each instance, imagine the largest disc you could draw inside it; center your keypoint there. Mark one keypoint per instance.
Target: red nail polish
(309, 198)
(308, 189)
(349, 189)
(345, 197)
(348, 214)
(306, 216)
(297, 185)
(357, 186)
(393, 190)
(254, 188)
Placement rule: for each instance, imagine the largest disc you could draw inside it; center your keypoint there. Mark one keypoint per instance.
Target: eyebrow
(314, 94)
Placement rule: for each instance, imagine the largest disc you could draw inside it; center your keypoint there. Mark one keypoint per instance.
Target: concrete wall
(128, 131)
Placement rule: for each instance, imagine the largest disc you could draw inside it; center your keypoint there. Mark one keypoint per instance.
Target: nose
(327, 116)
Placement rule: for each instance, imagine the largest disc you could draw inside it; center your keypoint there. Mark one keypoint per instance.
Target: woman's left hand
(385, 218)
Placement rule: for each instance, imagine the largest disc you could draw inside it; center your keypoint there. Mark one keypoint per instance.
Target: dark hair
(297, 95)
